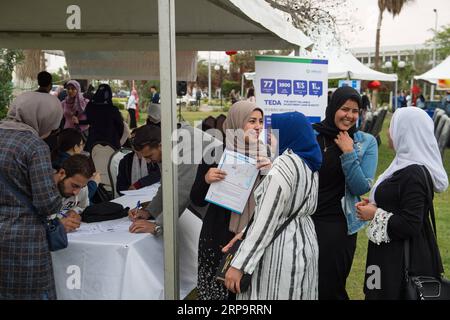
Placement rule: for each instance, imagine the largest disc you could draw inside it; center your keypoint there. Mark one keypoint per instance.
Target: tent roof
(345, 65)
(441, 71)
(243, 24)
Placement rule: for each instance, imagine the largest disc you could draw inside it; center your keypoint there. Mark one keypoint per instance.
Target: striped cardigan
(288, 267)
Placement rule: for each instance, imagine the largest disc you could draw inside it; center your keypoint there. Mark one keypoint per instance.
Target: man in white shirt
(71, 180)
(131, 106)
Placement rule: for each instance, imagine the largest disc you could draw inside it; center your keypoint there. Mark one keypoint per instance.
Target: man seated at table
(135, 171)
(71, 180)
(186, 177)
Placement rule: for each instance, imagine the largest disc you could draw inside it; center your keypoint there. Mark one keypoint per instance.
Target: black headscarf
(327, 126)
(103, 95)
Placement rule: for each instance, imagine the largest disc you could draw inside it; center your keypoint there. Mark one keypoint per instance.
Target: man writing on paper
(135, 171)
(151, 150)
(72, 179)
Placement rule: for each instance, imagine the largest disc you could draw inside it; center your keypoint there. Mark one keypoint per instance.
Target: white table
(117, 264)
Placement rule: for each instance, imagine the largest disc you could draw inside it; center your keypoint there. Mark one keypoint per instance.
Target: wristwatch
(158, 229)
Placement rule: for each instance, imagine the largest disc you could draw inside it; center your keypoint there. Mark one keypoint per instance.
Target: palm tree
(394, 7)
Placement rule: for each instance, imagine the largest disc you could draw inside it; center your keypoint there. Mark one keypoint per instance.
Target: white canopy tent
(141, 25)
(346, 66)
(343, 65)
(102, 26)
(441, 71)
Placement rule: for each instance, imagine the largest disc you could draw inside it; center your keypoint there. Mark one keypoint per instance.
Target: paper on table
(233, 192)
(122, 224)
(143, 191)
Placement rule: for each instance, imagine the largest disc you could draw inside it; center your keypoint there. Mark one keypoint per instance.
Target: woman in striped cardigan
(286, 268)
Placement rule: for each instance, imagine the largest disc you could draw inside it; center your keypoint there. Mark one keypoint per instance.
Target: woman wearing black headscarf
(348, 169)
(105, 120)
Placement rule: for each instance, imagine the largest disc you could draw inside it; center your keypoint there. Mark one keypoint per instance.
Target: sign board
(443, 84)
(355, 84)
(286, 84)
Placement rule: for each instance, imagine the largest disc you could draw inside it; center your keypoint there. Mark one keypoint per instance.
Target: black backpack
(103, 212)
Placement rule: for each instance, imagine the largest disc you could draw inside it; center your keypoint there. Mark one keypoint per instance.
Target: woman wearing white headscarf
(25, 263)
(398, 207)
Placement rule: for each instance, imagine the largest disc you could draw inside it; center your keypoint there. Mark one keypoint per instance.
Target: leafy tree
(227, 86)
(442, 40)
(314, 18)
(202, 74)
(8, 60)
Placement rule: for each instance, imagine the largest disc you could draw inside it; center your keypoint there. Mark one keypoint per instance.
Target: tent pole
(167, 72)
(424, 89)
(242, 85)
(395, 95)
(209, 78)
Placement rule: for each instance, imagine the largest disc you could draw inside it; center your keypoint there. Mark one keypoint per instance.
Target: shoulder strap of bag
(19, 195)
(430, 199)
(288, 221)
(433, 221)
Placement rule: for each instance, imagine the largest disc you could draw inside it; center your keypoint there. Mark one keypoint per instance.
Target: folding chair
(113, 168)
(440, 126)
(219, 124)
(100, 154)
(444, 137)
(208, 123)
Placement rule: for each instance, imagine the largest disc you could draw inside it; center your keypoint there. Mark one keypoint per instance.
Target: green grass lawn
(385, 156)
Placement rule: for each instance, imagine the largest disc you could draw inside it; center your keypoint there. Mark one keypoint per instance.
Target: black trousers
(336, 251)
(132, 113)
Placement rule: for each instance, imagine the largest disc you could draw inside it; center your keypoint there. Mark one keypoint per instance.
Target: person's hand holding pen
(138, 213)
(71, 220)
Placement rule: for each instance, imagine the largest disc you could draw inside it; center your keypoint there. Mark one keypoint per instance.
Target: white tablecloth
(115, 264)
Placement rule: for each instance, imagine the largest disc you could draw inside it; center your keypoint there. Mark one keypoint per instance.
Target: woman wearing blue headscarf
(286, 268)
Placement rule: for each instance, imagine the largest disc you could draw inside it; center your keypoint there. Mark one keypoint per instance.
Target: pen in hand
(133, 213)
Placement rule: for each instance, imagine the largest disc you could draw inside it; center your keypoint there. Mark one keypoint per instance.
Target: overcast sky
(412, 26)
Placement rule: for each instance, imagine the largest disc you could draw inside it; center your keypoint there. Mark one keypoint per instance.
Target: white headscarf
(412, 133)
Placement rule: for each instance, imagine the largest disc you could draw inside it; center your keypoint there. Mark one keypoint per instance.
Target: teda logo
(74, 279)
(73, 21)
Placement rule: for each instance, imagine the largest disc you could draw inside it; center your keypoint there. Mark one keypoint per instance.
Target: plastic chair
(219, 124)
(444, 137)
(113, 168)
(208, 123)
(440, 125)
(100, 154)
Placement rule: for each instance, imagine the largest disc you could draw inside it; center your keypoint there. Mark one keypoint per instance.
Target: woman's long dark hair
(67, 139)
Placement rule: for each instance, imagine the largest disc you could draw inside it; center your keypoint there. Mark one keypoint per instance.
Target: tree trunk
(377, 57)
(377, 41)
(27, 71)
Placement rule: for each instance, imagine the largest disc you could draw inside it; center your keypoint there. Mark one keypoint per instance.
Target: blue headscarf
(296, 133)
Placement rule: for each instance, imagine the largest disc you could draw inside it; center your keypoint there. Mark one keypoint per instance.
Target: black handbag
(225, 263)
(102, 195)
(425, 287)
(54, 229)
(103, 212)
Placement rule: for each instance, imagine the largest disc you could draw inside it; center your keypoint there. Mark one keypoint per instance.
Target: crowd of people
(299, 226)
